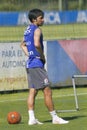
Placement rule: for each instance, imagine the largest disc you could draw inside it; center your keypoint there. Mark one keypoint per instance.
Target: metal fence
(59, 27)
(64, 19)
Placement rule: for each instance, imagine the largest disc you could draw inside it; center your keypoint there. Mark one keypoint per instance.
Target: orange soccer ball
(14, 117)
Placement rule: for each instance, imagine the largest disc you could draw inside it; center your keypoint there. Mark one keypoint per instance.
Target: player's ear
(34, 20)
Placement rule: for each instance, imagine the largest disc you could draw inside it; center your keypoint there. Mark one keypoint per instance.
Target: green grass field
(50, 32)
(63, 99)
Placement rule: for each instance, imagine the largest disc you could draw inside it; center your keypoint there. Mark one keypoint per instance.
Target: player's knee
(47, 91)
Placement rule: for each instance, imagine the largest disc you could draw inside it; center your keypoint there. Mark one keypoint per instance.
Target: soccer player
(32, 45)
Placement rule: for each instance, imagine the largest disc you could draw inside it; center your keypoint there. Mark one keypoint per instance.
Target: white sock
(31, 115)
(53, 114)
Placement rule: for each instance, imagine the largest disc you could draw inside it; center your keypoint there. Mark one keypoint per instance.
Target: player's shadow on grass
(66, 118)
(74, 117)
(47, 121)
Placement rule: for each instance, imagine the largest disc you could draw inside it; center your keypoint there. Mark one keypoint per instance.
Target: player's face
(40, 20)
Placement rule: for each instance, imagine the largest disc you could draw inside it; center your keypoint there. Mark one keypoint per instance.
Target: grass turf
(51, 32)
(63, 99)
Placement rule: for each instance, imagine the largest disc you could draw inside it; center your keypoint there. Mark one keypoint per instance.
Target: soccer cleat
(59, 121)
(34, 122)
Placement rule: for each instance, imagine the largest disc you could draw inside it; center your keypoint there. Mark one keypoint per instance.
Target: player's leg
(49, 103)
(31, 103)
(48, 98)
(31, 98)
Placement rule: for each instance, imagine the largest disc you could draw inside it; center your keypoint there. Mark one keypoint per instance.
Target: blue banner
(51, 17)
(66, 58)
(8, 18)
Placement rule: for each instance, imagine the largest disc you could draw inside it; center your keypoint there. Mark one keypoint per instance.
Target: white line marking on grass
(23, 99)
(13, 100)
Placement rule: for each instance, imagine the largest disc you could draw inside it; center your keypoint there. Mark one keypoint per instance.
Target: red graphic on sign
(77, 51)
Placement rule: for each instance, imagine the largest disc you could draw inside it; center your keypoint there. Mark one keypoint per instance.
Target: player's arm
(37, 44)
(24, 48)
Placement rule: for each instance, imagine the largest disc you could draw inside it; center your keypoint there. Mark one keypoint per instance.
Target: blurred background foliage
(24, 5)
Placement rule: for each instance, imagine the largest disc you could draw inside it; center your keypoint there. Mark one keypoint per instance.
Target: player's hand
(43, 59)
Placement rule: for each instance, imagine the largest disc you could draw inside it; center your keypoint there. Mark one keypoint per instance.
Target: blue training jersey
(32, 61)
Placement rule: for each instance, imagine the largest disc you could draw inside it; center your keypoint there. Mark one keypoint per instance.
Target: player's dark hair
(34, 13)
